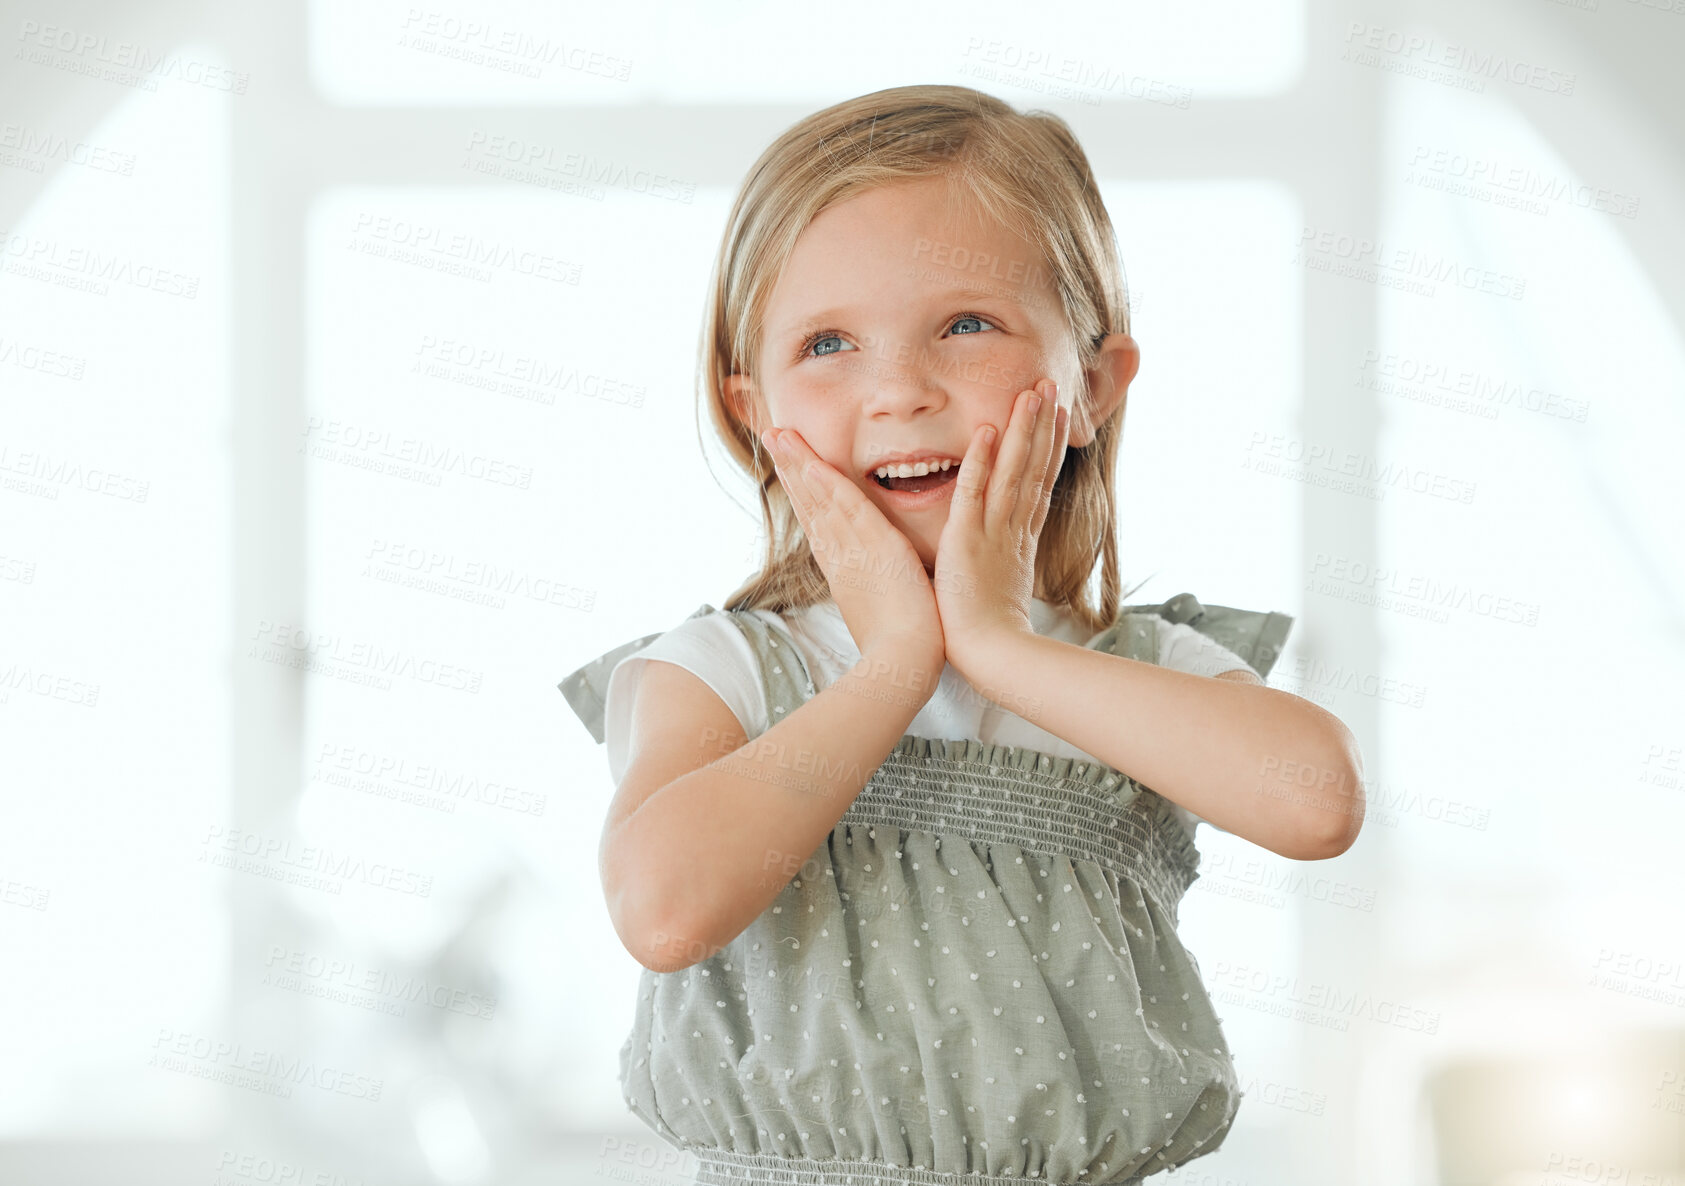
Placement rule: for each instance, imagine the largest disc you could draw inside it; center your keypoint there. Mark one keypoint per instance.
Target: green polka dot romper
(975, 980)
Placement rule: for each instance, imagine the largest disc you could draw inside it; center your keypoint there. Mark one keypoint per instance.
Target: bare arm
(1253, 760)
(704, 827)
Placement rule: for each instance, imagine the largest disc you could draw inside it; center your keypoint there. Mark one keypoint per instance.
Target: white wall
(275, 514)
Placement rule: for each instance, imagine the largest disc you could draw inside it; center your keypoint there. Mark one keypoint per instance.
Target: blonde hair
(1025, 170)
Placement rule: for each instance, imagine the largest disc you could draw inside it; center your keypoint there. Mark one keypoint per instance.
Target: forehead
(907, 240)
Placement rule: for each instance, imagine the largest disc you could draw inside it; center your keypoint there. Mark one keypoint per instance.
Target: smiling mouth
(921, 483)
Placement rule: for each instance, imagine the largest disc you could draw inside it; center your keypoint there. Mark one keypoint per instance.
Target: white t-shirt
(716, 652)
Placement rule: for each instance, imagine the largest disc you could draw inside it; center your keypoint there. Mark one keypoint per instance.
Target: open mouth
(921, 483)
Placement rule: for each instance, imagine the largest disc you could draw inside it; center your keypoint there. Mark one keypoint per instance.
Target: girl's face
(898, 329)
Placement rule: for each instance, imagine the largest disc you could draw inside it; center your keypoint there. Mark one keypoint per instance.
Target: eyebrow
(829, 317)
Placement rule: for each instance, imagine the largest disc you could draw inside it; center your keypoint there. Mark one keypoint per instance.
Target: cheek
(822, 419)
(1011, 371)
(999, 411)
(807, 407)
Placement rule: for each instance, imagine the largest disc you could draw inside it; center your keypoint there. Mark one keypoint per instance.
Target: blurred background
(346, 374)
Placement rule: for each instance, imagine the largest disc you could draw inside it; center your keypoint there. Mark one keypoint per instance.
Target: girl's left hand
(986, 557)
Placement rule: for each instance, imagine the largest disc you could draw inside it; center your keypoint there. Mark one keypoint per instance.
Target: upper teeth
(913, 470)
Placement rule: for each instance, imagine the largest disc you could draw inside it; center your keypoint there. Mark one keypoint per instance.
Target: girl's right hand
(876, 576)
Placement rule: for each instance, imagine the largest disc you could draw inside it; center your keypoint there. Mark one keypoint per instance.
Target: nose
(900, 389)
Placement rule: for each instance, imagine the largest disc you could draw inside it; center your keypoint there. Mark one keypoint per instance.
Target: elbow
(670, 947)
(1328, 843)
(658, 938)
(640, 908)
(1334, 817)
(662, 950)
(1343, 813)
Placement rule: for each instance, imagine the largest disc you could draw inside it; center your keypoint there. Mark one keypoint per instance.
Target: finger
(1036, 480)
(1009, 463)
(783, 464)
(1058, 463)
(966, 505)
(827, 502)
(832, 496)
(790, 467)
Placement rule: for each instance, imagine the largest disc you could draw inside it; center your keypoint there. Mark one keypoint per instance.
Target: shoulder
(1183, 648)
(1176, 645)
(712, 632)
(712, 647)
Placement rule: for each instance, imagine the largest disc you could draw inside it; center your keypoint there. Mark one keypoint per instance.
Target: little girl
(883, 837)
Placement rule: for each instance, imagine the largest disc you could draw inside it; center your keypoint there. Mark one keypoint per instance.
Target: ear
(1108, 384)
(740, 398)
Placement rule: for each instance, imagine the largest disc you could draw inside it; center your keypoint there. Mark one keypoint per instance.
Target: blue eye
(826, 338)
(826, 335)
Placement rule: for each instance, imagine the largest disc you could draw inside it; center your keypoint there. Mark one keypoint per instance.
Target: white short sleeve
(1182, 648)
(713, 649)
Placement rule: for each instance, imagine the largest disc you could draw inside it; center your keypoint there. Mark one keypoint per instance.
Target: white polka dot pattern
(975, 980)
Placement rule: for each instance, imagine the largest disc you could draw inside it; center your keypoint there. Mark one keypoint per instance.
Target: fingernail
(1035, 404)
